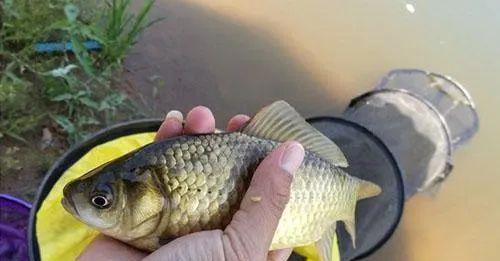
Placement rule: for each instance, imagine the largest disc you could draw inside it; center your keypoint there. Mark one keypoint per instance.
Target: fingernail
(292, 157)
(175, 114)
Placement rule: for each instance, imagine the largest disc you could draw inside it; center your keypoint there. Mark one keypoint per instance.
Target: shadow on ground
(196, 56)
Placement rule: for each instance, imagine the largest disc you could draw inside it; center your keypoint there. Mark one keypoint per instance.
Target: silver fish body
(191, 183)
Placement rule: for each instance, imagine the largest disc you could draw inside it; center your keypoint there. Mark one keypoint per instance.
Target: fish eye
(101, 201)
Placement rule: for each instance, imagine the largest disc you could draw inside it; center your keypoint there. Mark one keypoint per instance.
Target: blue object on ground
(14, 217)
(51, 47)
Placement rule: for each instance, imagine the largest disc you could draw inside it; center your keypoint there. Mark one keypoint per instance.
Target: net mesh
(450, 99)
(412, 130)
(14, 215)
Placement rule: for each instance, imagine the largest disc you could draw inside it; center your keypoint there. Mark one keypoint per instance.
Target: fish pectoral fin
(325, 244)
(148, 243)
(281, 122)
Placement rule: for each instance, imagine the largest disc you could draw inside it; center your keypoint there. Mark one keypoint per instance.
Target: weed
(70, 89)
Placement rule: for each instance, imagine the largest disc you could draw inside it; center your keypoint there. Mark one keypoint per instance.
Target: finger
(236, 122)
(279, 255)
(106, 248)
(252, 227)
(199, 120)
(171, 126)
(203, 245)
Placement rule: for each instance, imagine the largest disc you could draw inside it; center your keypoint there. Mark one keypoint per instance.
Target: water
(236, 56)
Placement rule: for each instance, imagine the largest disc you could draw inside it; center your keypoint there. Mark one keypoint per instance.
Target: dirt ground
(23, 167)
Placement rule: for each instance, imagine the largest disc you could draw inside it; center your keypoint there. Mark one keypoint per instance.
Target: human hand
(252, 228)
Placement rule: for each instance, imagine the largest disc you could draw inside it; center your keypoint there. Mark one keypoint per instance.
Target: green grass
(70, 90)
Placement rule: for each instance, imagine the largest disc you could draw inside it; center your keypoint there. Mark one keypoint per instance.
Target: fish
(190, 183)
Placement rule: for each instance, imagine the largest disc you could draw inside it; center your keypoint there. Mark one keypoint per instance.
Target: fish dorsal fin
(280, 122)
(324, 246)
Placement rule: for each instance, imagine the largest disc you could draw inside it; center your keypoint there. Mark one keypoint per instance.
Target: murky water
(236, 56)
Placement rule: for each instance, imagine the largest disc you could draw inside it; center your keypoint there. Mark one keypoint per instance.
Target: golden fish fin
(148, 243)
(368, 189)
(348, 217)
(365, 189)
(325, 244)
(280, 122)
(350, 227)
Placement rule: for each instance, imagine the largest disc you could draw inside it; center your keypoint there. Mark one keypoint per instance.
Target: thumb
(252, 228)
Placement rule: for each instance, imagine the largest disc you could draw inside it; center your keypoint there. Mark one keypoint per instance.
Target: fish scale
(211, 184)
(215, 192)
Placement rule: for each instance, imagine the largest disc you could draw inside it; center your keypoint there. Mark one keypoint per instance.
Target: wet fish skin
(190, 183)
(202, 180)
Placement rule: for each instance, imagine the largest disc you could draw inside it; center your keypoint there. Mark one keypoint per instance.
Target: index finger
(171, 126)
(199, 120)
(236, 122)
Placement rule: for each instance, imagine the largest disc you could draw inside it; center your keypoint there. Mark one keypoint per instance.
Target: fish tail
(365, 189)
(368, 189)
